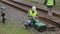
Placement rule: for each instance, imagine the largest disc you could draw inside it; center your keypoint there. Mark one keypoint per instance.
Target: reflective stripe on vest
(33, 14)
(49, 2)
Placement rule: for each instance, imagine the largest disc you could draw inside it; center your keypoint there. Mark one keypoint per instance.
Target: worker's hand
(29, 16)
(32, 16)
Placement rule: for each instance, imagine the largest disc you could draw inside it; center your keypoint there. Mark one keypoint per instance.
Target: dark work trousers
(3, 20)
(49, 9)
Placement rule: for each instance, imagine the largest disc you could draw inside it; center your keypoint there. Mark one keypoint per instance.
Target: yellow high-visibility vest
(49, 3)
(33, 14)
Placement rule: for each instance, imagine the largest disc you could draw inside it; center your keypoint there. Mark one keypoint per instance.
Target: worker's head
(2, 8)
(33, 8)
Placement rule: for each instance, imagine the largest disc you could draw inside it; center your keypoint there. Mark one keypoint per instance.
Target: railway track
(42, 11)
(31, 4)
(41, 14)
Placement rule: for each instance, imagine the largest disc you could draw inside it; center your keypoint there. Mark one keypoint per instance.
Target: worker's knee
(36, 20)
(29, 21)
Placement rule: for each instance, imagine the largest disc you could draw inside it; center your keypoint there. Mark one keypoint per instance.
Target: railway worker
(3, 14)
(49, 4)
(32, 15)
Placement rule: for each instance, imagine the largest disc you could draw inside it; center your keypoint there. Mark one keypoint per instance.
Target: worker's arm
(37, 15)
(54, 2)
(45, 2)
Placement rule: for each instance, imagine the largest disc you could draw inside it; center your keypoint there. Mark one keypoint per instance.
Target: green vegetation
(13, 28)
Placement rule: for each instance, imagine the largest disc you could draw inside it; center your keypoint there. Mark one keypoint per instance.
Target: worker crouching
(3, 14)
(33, 22)
(31, 16)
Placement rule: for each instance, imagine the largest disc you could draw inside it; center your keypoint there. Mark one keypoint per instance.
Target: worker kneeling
(31, 16)
(32, 21)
